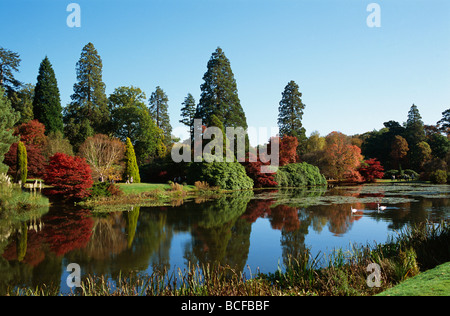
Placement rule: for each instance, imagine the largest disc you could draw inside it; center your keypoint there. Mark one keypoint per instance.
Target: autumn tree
(399, 150)
(287, 149)
(103, 154)
(32, 134)
(341, 158)
(68, 176)
(371, 170)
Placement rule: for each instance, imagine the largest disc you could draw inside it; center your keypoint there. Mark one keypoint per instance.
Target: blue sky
(353, 78)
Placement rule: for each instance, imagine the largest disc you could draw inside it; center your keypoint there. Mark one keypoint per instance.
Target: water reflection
(203, 232)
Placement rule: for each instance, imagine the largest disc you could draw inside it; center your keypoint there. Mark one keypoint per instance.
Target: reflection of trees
(218, 235)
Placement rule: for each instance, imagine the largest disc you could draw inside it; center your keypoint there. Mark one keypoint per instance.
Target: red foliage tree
(371, 169)
(287, 147)
(69, 176)
(253, 170)
(32, 135)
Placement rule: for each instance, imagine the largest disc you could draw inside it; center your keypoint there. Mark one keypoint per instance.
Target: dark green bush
(100, 189)
(439, 176)
(298, 175)
(226, 175)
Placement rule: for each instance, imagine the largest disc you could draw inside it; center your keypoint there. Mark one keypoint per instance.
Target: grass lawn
(433, 282)
(136, 188)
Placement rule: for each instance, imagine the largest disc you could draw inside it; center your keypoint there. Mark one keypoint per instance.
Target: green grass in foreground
(434, 282)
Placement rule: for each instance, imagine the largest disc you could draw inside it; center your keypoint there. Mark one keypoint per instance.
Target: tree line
(33, 114)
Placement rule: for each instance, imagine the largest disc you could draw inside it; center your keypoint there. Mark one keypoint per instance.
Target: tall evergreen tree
(22, 163)
(47, 103)
(158, 107)
(9, 63)
(414, 128)
(131, 166)
(9, 118)
(290, 114)
(188, 112)
(87, 114)
(220, 94)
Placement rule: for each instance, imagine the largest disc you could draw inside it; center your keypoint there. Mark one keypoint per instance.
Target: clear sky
(353, 77)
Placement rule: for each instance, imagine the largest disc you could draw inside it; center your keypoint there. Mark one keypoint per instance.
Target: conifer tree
(158, 108)
(290, 114)
(87, 114)
(22, 163)
(9, 63)
(47, 103)
(9, 118)
(188, 112)
(220, 94)
(131, 166)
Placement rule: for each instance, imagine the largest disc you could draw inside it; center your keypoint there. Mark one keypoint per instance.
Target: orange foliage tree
(341, 158)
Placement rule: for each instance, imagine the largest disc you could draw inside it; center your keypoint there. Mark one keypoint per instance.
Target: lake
(249, 230)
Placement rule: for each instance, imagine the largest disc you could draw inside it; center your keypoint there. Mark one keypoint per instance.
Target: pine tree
(415, 131)
(131, 166)
(188, 112)
(158, 108)
(9, 118)
(22, 163)
(290, 114)
(47, 103)
(9, 63)
(22, 102)
(87, 114)
(220, 95)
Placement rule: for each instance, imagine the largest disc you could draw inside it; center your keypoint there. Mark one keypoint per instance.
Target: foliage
(188, 112)
(219, 94)
(130, 118)
(87, 114)
(68, 176)
(8, 119)
(9, 63)
(226, 175)
(104, 154)
(290, 114)
(22, 163)
(298, 175)
(439, 177)
(32, 134)
(131, 166)
(399, 149)
(56, 143)
(341, 158)
(371, 169)
(159, 112)
(22, 102)
(46, 102)
(100, 189)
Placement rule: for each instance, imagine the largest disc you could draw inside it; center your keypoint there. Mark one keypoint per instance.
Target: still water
(248, 230)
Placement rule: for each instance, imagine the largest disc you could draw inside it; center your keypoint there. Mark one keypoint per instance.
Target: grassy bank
(434, 282)
(148, 194)
(418, 248)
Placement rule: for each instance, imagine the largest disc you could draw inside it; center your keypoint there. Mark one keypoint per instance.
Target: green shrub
(438, 177)
(226, 175)
(298, 175)
(100, 189)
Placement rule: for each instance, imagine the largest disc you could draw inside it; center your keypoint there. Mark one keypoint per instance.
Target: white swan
(381, 208)
(354, 210)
